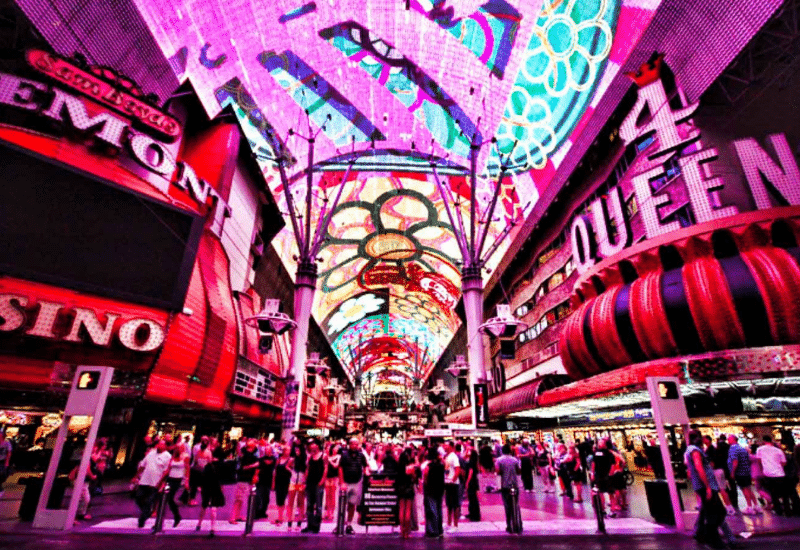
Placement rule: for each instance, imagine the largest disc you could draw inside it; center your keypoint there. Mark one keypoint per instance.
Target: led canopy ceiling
(390, 84)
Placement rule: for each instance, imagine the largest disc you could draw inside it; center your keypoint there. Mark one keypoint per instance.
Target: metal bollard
(251, 511)
(342, 510)
(597, 504)
(516, 513)
(161, 508)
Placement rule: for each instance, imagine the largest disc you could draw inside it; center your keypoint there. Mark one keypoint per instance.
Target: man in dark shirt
(352, 469)
(601, 466)
(316, 470)
(389, 464)
(266, 471)
(248, 463)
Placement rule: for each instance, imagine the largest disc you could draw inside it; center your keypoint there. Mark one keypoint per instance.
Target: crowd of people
(305, 476)
(767, 475)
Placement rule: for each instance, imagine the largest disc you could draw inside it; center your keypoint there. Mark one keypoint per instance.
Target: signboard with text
(380, 501)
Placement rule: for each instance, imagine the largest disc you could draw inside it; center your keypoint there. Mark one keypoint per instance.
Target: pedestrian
(201, 456)
(715, 457)
(508, 467)
(560, 459)
(739, 467)
(352, 469)
(332, 480)
(486, 461)
(176, 476)
(544, 464)
(315, 486)
(245, 471)
(757, 473)
(576, 472)
(148, 476)
(452, 471)
(525, 456)
(85, 492)
(712, 513)
(266, 481)
(602, 460)
(433, 491)
(388, 460)
(404, 487)
(6, 451)
(773, 460)
(101, 455)
(211, 489)
(284, 467)
(473, 486)
(297, 485)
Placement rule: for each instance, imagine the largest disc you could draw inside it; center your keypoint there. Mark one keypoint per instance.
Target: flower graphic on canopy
(353, 310)
(572, 43)
(565, 59)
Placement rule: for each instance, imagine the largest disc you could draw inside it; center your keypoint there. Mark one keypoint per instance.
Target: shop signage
(56, 321)
(591, 235)
(380, 500)
(481, 406)
(67, 73)
(85, 116)
(627, 414)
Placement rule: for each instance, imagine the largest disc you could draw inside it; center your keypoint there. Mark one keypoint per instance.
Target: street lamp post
(471, 239)
(309, 240)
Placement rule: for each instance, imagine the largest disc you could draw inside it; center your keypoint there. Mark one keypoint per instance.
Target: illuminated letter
(11, 316)
(188, 180)
(583, 243)
(159, 161)
(155, 336)
(111, 126)
(649, 205)
(662, 120)
(603, 213)
(46, 319)
(784, 177)
(693, 168)
(18, 92)
(87, 318)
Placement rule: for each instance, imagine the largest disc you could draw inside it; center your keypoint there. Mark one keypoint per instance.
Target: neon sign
(149, 152)
(98, 89)
(17, 313)
(675, 135)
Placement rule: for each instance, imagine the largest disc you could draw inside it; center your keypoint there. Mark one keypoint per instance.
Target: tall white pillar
(472, 291)
(304, 287)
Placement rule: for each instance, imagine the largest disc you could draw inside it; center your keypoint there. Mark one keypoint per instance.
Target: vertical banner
(481, 406)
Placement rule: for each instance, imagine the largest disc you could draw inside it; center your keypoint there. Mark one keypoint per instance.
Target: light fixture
(504, 325)
(439, 388)
(459, 368)
(270, 320)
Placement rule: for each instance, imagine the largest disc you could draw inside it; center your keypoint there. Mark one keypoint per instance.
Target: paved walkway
(543, 514)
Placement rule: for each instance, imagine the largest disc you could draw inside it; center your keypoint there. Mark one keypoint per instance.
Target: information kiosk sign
(380, 500)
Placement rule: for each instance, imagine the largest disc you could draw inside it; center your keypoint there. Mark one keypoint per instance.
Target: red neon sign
(98, 89)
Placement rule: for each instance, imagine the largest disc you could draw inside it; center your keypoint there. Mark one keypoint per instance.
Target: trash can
(33, 490)
(659, 501)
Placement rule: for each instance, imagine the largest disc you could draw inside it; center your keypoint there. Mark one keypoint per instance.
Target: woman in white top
(177, 474)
